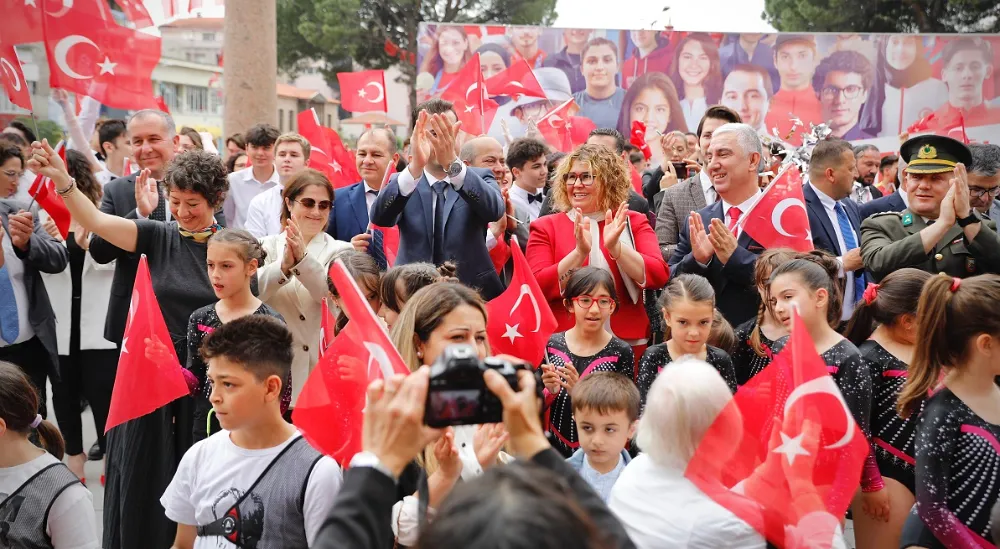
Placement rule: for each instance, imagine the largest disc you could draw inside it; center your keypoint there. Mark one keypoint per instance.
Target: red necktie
(734, 218)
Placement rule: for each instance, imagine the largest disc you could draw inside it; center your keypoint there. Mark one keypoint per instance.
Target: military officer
(939, 232)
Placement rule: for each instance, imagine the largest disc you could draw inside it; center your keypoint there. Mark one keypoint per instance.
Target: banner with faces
(867, 88)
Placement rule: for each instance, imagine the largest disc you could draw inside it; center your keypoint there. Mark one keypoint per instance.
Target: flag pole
(34, 123)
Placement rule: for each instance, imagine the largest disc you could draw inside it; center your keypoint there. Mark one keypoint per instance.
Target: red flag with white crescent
(363, 91)
(330, 409)
(520, 320)
(43, 191)
(472, 103)
(516, 81)
(13, 76)
(779, 218)
(790, 440)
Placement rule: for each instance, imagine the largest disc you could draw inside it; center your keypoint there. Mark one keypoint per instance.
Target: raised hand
(701, 246)
(420, 146)
(722, 240)
(614, 225)
(442, 137)
(961, 185)
(45, 161)
(294, 240)
(361, 241)
(948, 213)
(487, 442)
(551, 379)
(581, 231)
(446, 453)
(147, 194)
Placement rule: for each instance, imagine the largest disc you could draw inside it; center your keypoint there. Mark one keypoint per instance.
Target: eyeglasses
(585, 178)
(832, 92)
(309, 203)
(980, 192)
(586, 301)
(13, 174)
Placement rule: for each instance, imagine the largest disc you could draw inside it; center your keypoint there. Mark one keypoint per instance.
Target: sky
(684, 15)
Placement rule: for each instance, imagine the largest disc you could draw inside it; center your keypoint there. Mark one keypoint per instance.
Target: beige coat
(299, 297)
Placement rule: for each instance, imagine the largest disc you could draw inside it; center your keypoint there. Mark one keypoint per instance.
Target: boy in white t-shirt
(256, 484)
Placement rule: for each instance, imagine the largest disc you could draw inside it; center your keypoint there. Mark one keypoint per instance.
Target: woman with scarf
(596, 228)
(143, 453)
(905, 89)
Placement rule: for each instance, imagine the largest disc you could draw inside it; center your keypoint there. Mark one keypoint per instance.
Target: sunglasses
(309, 204)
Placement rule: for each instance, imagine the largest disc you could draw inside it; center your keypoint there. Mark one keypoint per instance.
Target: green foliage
(867, 16)
(338, 33)
(47, 129)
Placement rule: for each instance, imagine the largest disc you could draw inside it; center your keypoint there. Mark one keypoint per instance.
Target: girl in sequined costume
(755, 337)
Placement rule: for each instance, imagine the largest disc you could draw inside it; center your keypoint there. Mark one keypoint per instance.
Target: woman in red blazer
(596, 228)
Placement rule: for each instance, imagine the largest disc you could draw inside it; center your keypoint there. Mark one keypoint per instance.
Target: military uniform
(891, 240)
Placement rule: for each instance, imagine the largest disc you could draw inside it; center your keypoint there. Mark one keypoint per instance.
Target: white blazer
(299, 297)
(94, 298)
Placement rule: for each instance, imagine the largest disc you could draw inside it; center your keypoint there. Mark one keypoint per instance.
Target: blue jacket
(349, 214)
(466, 215)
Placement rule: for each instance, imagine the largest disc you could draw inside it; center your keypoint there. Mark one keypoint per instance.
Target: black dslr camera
(458, 395)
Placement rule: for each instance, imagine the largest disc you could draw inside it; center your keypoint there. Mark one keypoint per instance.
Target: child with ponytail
(365, 272)
(884, 327)
(755, 337)
(956, 361)
(233, 258)
(42, 503)
(807, 284)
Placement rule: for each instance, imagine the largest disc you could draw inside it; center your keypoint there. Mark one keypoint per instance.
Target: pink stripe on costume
(832, 370)
(894, 373)
(206, 329)
(565, 358)
(598, 362)
(885, 446)
(979, 431)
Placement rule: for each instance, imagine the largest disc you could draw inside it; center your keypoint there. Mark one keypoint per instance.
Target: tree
(867, 16)
(46, 129)
(339, 33)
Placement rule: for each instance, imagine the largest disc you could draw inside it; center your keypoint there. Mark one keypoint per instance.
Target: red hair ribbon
(871, 293)
(955, 283)
(638, 138)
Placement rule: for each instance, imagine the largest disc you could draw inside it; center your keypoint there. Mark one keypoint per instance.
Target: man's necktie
(850, 242)
(9, 327)
(536, 198)
(734, 218)
(440, 189)
(377, 248)
(160, 211)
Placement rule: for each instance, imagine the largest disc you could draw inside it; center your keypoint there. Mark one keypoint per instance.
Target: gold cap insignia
(927, 151)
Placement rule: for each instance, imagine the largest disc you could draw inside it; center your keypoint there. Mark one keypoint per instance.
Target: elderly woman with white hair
(660, 507)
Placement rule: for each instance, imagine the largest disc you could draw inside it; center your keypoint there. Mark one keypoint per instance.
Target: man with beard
(869, 160)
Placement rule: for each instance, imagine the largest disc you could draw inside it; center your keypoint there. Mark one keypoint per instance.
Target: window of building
(171, 95)
(291, 121)
(197, 99)
(329, 121)
(281, 120)
(208, 36)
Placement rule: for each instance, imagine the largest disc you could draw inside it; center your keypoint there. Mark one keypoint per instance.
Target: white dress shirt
(242, 189)
(831, 213)
(744, 208)
(407, 184)
(707, 188)
(519, 197)
(15, 270)
(264, 213)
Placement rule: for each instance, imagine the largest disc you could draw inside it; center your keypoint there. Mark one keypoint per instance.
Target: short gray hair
(985, 159)
(746, 136)
(681, 405)
(168, 121)
(862, 149)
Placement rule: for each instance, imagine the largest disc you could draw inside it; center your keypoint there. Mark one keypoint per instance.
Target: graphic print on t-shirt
(8, 514)
(249, 528)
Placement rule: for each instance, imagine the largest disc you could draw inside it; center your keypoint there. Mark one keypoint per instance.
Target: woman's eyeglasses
(13, 174)
(585, 178)
(309, 203)
(587, 301)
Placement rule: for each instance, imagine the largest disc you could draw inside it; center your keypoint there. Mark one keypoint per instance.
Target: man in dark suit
(349, 219)
(708, 246)
(895, 202)
(453, 203)
(154, 140)
(27, 323)
(833, 217)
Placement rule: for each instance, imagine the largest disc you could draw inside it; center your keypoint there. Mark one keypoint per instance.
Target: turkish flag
(363, 91)
(330, 409)
(135, 12)
(564, 131)
(22, 22)
(949, 124)
(342, 160)
(779, 218)
(149, 374)
(520, 320)
(161, 104)
(516, 81)
(169, 8)
(473, 105)
(43, 191)
(790, 439)
(89, 56)
(13, 76)
(328, 153)
(326, 329)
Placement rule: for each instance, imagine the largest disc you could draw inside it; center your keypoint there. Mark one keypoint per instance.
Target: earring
(420, 354)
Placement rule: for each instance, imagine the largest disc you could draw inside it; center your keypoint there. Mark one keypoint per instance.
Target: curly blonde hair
(611, 177)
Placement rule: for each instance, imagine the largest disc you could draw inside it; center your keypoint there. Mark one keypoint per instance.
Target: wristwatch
(968, 220)
(455, 168)
(368, 459)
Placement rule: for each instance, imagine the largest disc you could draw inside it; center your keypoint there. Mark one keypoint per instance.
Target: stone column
(250, 65)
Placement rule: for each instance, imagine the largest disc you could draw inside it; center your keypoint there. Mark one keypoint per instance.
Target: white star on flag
(512, 332)
(107, 67)
(469, 108)
(791, 447)
(30, 3)
(125, 345)
(336, 166)
(362, 94)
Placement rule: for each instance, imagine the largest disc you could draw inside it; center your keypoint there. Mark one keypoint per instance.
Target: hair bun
(448, 270)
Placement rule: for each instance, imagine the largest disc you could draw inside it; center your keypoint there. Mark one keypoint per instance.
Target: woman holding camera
(439, 315)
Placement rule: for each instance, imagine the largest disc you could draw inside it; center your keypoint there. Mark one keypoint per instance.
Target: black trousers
(34, 361)
(87, 375)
